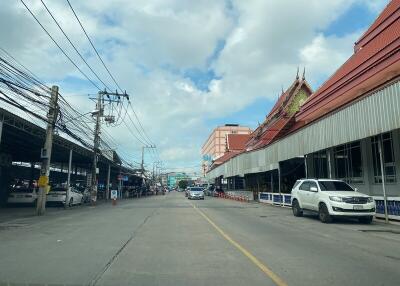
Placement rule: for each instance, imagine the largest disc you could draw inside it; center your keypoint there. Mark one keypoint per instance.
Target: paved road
(168, 240)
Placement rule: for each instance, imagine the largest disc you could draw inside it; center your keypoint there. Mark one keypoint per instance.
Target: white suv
(331, 198)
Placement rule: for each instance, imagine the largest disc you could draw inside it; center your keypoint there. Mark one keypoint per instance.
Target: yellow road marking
(275, 278)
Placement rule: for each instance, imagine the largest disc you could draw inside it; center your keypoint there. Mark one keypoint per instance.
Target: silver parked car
(196, 193)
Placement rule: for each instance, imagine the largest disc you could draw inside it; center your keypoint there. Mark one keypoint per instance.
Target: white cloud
(149, 44)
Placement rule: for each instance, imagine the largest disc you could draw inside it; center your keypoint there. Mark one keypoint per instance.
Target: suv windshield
(196, 189)
(334, 186)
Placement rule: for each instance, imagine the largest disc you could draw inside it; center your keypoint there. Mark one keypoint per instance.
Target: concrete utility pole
(46, 153)
(142, 164)
(99, 112)
(108, 182)
(153, 172)
(68, 179)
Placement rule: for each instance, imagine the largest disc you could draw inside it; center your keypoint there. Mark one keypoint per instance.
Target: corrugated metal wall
(375, 114)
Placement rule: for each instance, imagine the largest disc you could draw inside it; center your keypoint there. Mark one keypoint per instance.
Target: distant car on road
(22, 195)
(58, 194)
(196, 193)
(330, 199)
(209, 190)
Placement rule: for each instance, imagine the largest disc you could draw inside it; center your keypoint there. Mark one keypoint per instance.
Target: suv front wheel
(297, 211)
(323, 214)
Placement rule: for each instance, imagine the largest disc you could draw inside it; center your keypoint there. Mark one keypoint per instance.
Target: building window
(320, 164)
(389, 166)
(348, 162)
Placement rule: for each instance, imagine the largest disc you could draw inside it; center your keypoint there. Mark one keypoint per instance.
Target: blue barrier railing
(392, 206)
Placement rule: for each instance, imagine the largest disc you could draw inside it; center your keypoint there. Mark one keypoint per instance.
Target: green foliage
(183, 184)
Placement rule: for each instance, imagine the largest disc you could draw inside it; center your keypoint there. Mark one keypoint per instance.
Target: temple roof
(281, 115)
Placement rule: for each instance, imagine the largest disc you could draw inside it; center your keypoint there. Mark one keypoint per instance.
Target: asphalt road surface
(169, 240)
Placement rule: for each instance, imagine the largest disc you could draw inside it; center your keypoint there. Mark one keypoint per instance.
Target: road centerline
(265, 269)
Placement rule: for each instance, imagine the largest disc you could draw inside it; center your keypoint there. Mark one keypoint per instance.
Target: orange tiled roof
(236, 142)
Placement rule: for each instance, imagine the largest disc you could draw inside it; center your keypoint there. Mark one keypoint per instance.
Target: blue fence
(392, 206)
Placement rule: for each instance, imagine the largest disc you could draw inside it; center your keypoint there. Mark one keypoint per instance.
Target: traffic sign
(114, 194)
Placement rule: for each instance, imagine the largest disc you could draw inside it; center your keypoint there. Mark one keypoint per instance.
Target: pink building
(215, 146)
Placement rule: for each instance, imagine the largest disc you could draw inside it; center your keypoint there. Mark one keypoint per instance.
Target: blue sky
(357, 18)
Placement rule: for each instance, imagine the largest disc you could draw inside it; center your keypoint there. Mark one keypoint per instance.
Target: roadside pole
(142, 165)
(279, 184)
(383, 180)
(119, 184)
(68, 179)
(46, 153)
(96, 144)
(328, 153)
(108, 182)
(305, 166)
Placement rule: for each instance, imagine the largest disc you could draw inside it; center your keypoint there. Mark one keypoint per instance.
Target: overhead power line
(61, 49)
(73, 46)
(145, 137)
(94, 48)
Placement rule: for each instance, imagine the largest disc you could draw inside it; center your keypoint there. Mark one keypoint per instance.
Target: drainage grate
(263, 216)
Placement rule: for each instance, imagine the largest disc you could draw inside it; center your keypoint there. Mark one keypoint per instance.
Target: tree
(182, 184)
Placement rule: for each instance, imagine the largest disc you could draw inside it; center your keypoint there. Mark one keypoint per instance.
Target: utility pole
(99, 113)
(153, 172)
(68, 179)
(383, 180)
(143, 147)
(142, 165)
(46, 153)
(108, 182)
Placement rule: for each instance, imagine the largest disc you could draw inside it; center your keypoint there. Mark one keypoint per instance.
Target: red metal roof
(384, 19)
(236, 142)
(373, 64)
